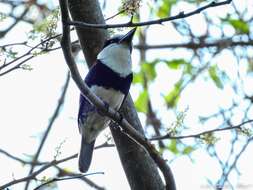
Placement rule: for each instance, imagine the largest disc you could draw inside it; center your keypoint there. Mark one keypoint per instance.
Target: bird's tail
(85, 155)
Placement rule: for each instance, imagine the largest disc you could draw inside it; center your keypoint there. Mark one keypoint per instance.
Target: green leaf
(141, 103)
(165, 8)
(188, 150)
(189, 69)
(173, 96)
(213, 73)
(47, 26)
(149, 69)
(175, 63)
(173, 146)
(240, 26)
(138, 78)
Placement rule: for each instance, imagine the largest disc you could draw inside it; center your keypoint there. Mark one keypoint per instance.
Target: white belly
(96, 122)
(112, 97)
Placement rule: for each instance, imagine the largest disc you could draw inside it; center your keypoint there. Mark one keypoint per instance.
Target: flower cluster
(131, 6)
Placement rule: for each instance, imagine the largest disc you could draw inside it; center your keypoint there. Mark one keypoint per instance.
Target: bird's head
(116, 52)
(121, 40)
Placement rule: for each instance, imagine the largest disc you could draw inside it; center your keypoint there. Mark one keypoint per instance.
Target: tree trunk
(140, 169)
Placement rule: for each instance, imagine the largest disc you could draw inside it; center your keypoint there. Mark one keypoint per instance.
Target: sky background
(28, 99)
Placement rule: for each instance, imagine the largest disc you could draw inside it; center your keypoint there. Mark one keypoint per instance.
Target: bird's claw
(120, 118)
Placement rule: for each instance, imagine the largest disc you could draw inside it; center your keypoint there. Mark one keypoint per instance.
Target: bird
(110, 79)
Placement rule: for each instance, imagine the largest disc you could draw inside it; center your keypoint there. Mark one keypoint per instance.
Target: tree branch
(18, 159)
(103, 145)
(68, 178)
(63, 172)
(29, 52)
(225, 175)
(198, 135)
(148, 23)
(17, 20)
(222, 43)
(16, 66)
(34, 174)
(52, 120)
(111, 113)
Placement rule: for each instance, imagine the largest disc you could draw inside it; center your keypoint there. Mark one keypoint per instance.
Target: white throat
(118, 58)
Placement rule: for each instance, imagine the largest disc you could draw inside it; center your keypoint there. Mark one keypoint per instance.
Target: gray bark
(91, 39)
(140, 169)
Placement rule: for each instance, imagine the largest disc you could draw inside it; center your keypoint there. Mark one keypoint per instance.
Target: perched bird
(110, 79)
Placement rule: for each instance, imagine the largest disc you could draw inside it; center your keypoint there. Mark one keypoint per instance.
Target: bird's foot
(120, 118)
(115, 125)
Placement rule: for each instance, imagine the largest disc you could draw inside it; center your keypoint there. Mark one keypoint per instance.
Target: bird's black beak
(127, 38)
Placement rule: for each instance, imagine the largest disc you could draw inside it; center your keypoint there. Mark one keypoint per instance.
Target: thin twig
(18, 66)
(46, 166)
(19, 159)
(233, 165)
(63, 172)
(198, 135)
(29, 52)
(13, 44)
(52, 120)
(67, 178)
(17, 20)
(222, 43)
(148, 23)
(103, 145)
(34, 174)
(113, 16)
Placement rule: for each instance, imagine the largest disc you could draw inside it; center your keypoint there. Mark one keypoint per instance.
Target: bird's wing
(85, 108)
(129, 80)
(101, 75)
